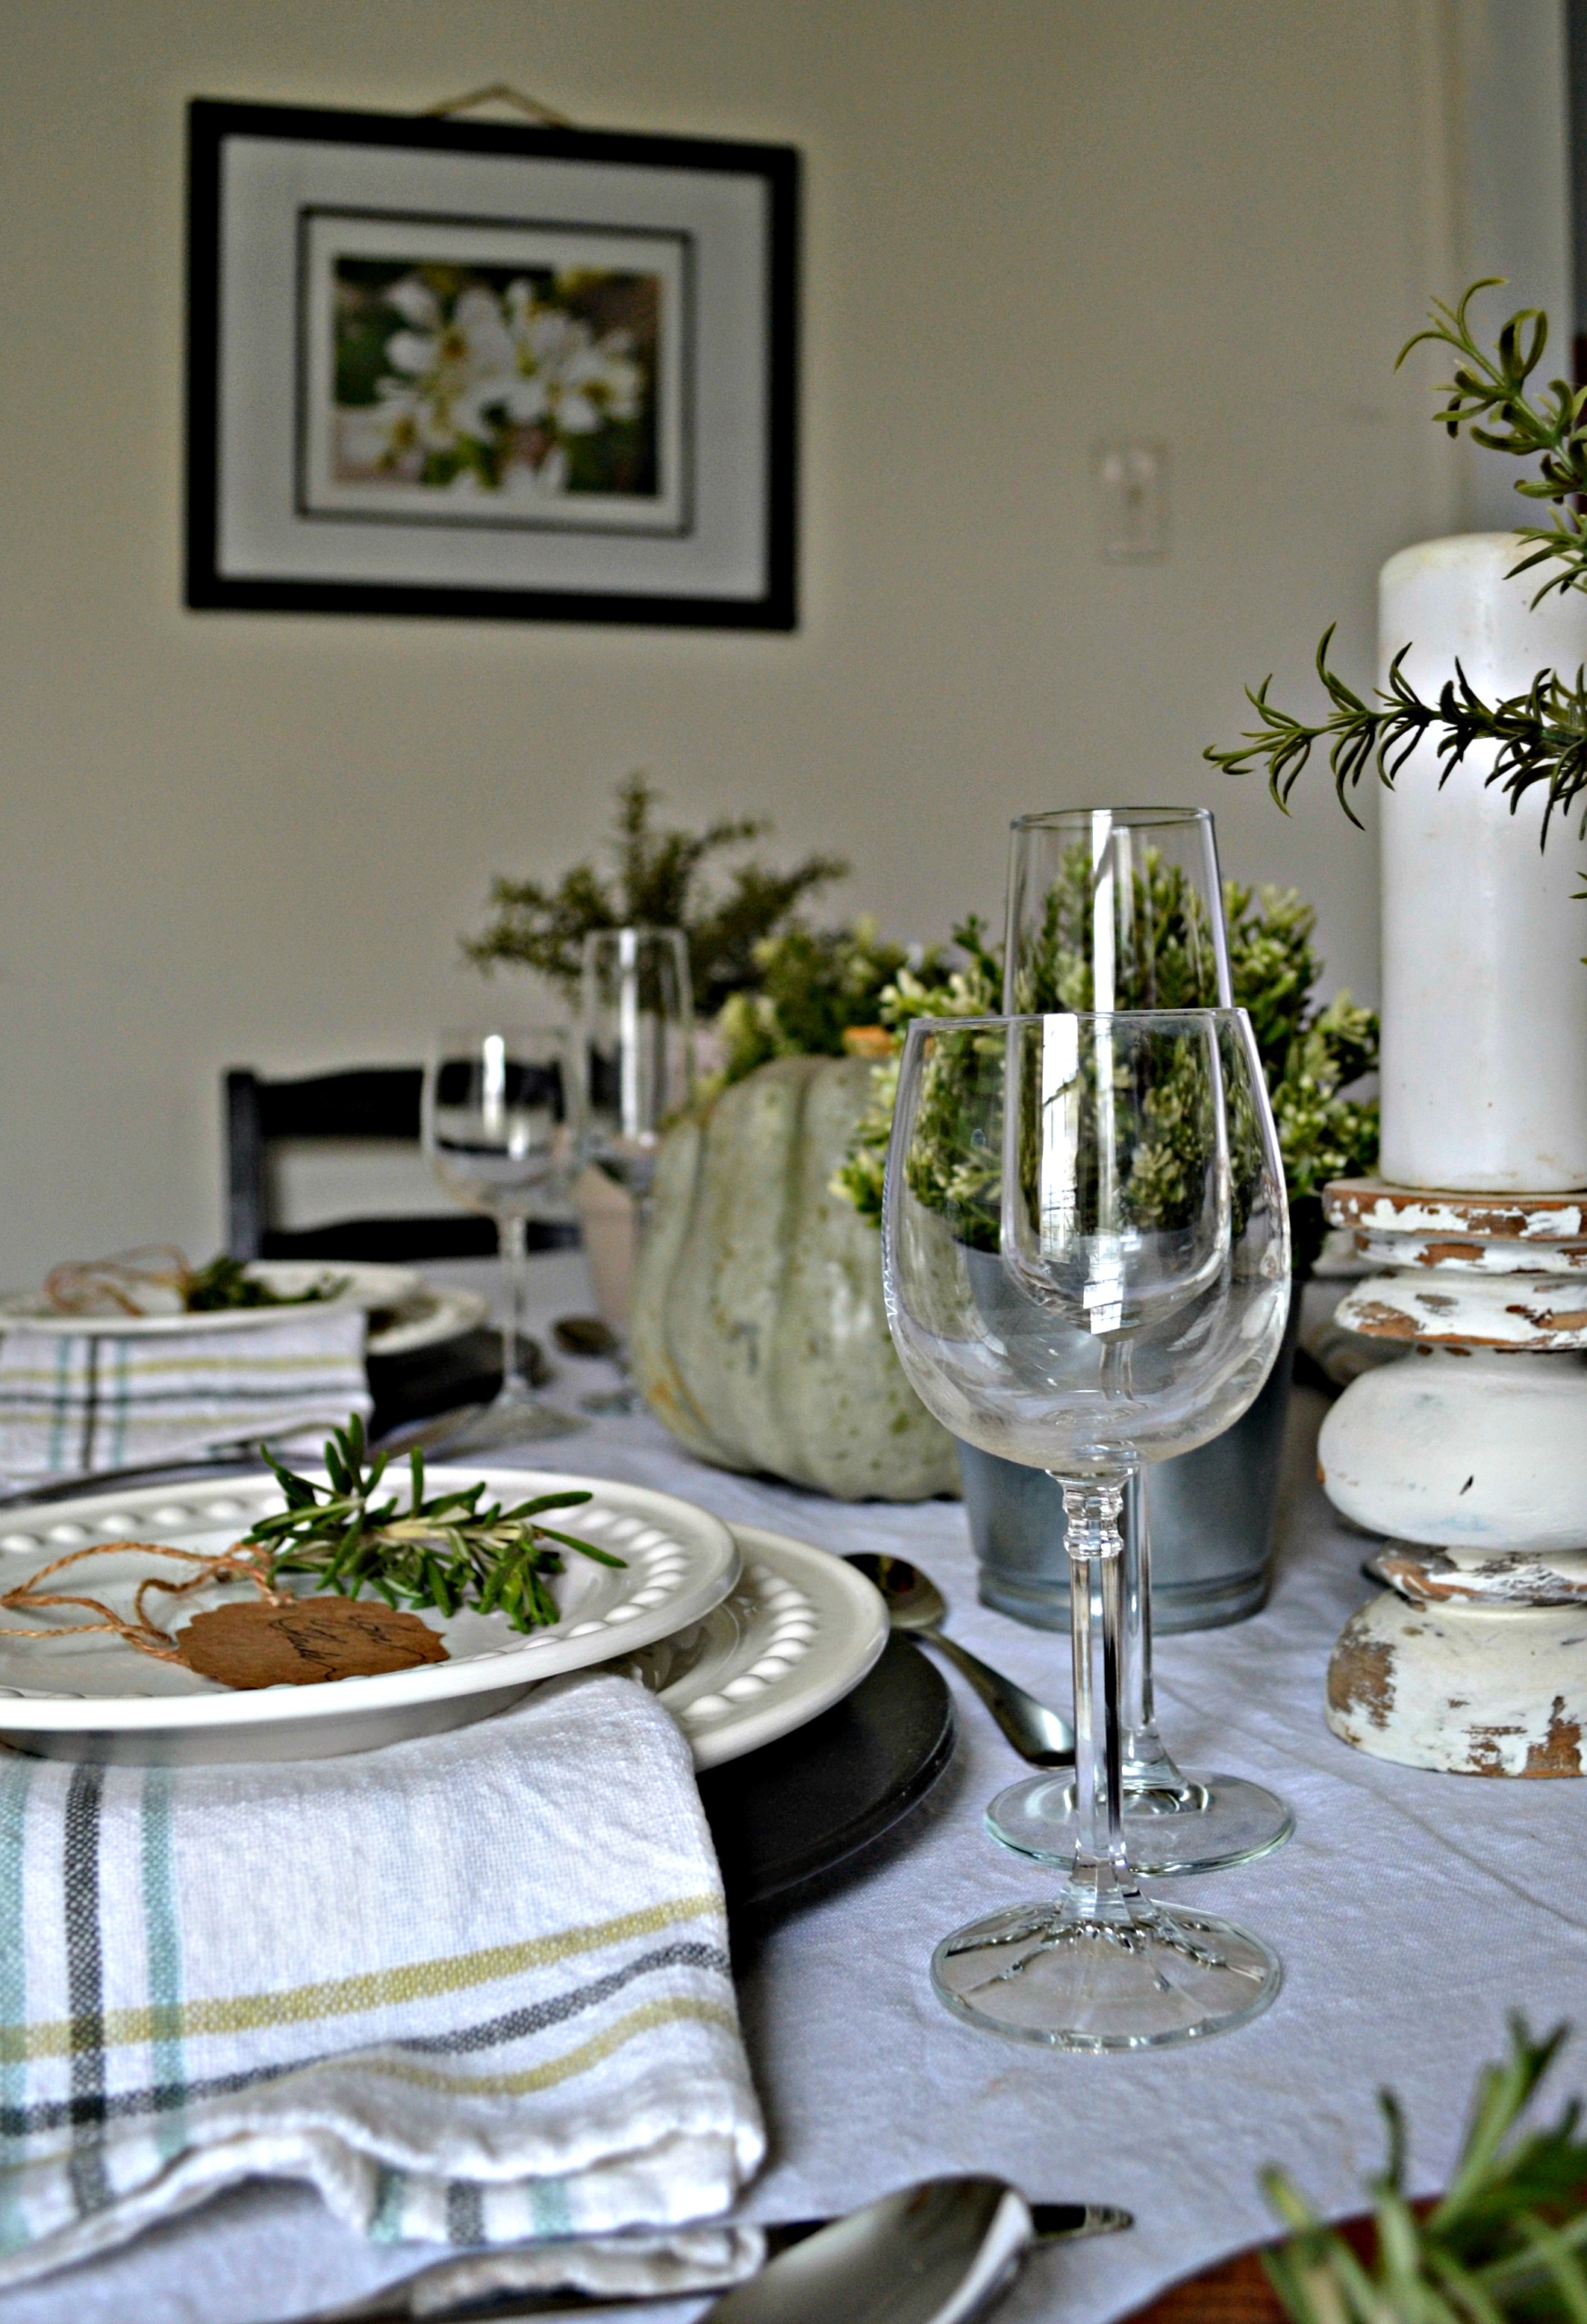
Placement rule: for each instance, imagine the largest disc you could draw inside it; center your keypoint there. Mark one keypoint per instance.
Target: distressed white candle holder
(1471, 1456)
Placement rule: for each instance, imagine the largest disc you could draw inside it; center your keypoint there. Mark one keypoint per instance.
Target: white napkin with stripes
(76, 1401)
(474, 1988)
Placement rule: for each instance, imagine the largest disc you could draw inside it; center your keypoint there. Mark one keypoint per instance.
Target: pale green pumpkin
(756, 1330)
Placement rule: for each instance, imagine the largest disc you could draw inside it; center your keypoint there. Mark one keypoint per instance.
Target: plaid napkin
(72, 1401)
(473, 1987)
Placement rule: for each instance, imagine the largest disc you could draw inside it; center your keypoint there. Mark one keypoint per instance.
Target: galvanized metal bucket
(1212, 1513)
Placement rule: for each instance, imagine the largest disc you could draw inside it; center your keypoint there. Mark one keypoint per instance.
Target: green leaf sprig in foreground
(1504, 2245)
(1539, 735)
(448, 1552)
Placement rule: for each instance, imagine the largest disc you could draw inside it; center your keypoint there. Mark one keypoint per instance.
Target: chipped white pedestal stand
(1472, 1454)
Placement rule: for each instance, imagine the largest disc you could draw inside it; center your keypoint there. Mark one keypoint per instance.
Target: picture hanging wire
(500, 92)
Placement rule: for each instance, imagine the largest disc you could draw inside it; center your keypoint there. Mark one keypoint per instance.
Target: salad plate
(93, 1696)
(350, 1284)
(799, 1630)
(433, 1313)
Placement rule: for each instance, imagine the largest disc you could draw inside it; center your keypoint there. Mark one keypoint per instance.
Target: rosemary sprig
(1488, 398)
(1541, 735)
(1506, 2242)
(448, 1552)
(225, 1282)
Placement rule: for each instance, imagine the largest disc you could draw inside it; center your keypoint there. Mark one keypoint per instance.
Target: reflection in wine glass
(1086, 1260)
(1122, 909)
(501, 1122)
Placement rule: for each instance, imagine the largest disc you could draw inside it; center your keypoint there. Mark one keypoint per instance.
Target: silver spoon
(916, 1604)
(932, 2234)
(937, 2254)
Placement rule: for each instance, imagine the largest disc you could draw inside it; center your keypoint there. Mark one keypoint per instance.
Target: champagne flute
(1086, 1249)
(500, 1125)
(1111, 908)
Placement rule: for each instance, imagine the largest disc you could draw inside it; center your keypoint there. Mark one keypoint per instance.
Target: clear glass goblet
(501, 1115)
(1086, 1260)
(637, 1040)
(1109, 909)
(637, 1026)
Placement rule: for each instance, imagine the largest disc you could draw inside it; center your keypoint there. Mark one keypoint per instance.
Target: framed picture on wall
(489, 371)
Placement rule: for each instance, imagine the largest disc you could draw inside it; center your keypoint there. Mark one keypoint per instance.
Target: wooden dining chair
(355, 1135)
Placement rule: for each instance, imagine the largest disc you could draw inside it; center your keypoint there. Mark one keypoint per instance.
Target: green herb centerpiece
(1314, 1055)
(659, 881)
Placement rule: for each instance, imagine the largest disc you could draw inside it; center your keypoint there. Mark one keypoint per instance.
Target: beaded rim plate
(799, 1630)
(98, 1691)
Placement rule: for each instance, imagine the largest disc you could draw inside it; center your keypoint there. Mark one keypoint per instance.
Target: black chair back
(372, 1104)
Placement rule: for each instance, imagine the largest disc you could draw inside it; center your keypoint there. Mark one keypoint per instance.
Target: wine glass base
(1223, 1820)
(512, 1421)
(611, 1400)
(1143, 1978)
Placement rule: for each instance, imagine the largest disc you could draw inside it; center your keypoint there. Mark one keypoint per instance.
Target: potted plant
(758, 1330)
(660, 879)
(1214, 1509)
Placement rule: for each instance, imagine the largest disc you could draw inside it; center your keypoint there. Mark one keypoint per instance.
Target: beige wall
(1030, 222)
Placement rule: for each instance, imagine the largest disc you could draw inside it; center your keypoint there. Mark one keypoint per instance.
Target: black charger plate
(464, 1369)
(787, 1816)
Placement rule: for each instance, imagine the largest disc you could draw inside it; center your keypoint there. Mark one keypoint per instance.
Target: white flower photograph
(498, 376)
(490, 370)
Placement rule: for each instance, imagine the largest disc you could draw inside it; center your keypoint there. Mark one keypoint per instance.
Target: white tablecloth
(1411, 1910)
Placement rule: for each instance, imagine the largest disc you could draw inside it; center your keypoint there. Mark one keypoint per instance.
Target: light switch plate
(1130, 482)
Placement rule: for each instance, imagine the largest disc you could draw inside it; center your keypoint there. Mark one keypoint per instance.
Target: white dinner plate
(367, 1286)
(433, 1314)
(96, 1697)
(797, 1632)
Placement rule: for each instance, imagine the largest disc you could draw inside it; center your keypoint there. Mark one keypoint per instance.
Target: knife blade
(91, 1480)
(247, 1453)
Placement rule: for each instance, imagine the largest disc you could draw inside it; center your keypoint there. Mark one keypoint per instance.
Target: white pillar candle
(1484, 1070)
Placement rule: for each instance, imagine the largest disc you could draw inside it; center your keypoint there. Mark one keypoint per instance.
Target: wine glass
(637, 1026)
(1123, 908)
(501, 1128)
(1115, 908)
(1086, 1249)
(637, 1040)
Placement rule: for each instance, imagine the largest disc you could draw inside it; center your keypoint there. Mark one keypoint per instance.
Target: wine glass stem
(512, 1233)
(1092, 1508)
(1145, 1760)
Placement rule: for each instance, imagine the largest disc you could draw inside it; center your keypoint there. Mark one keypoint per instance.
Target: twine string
(240, 1563)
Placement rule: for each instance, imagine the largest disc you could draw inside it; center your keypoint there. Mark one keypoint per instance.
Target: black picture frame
(766, 507)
